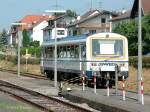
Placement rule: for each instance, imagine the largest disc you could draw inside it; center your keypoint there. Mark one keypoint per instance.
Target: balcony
(99, 26)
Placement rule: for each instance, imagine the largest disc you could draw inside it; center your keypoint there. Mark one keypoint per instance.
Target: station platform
(99, 100)
(113, 103)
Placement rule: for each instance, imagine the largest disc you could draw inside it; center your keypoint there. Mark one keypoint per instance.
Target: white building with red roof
(34, 24)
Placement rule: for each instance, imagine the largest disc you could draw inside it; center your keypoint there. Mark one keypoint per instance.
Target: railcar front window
(107, 47)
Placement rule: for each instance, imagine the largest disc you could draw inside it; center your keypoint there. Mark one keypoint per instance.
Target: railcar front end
(107, 54)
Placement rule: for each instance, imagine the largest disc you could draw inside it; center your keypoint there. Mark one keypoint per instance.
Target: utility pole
(56, 5)
(99, 4)
(19, 44)
(55, 52)
(139, 77)
(91, 5)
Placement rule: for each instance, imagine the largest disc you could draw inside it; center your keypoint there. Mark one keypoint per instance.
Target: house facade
(61, 29)
(37, 31)
(123, 16)
(91, 22)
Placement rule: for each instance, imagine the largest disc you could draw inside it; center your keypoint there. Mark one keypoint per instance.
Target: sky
(14, 10)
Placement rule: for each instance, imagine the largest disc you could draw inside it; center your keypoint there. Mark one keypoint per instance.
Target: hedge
(133, 61)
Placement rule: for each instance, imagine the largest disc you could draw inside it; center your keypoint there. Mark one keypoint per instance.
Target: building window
(49, 32)
(69, 33)
(103, 20)
(74, 32)
(60, 32)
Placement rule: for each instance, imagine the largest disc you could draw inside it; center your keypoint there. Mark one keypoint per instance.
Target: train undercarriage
(76, 77)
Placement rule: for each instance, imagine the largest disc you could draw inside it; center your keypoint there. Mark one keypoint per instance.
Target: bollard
(60, 87)
(107, 84)
(116, 79)
(83, 81)
(142, 92)
(94, 82)
(123, 88)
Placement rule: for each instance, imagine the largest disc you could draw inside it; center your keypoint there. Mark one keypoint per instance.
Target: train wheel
(103, 83)
(46, 74)
(51, 75)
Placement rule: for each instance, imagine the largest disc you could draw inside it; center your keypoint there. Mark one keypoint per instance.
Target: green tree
(35, 43)
(26, 39)
(129, 29)
(4, 37)
(71, 13)
(146, 34)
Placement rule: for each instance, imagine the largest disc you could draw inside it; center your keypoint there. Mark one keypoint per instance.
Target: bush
(23, 51)
(133, 61)
(14, 59)
(2, 57)
(34, 51)
(33, 61)
(35, 43)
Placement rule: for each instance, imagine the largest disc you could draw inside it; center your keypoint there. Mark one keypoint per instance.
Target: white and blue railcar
(100, 53)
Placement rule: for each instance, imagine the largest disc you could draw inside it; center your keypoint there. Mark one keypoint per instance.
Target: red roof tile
(146, 6)
(31, 20)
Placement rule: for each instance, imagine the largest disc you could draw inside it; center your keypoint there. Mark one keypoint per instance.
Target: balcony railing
(101, 26)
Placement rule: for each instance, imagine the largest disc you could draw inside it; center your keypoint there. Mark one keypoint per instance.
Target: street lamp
(19, 44)
(55, 53)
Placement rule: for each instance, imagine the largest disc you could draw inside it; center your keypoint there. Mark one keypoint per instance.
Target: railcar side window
(72, 54)
(76, 51)
(71, 51)
(83, 51)
(107, 47)
(60, 53)
(68, 52)
(48, 52)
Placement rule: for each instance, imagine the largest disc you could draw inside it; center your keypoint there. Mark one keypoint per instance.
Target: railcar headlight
(122, 64)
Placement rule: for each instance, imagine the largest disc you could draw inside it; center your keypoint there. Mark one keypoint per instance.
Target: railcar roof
(66, 40)
(79, 39)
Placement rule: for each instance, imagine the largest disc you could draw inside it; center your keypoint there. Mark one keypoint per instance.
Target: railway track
(25, 74)
(45, 103)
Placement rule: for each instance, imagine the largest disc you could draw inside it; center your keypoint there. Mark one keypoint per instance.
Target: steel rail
(24, 74)
(44, 102)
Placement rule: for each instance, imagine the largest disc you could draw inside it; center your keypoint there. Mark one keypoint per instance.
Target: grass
(35, 69)
(19, 107)
(131, 82)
